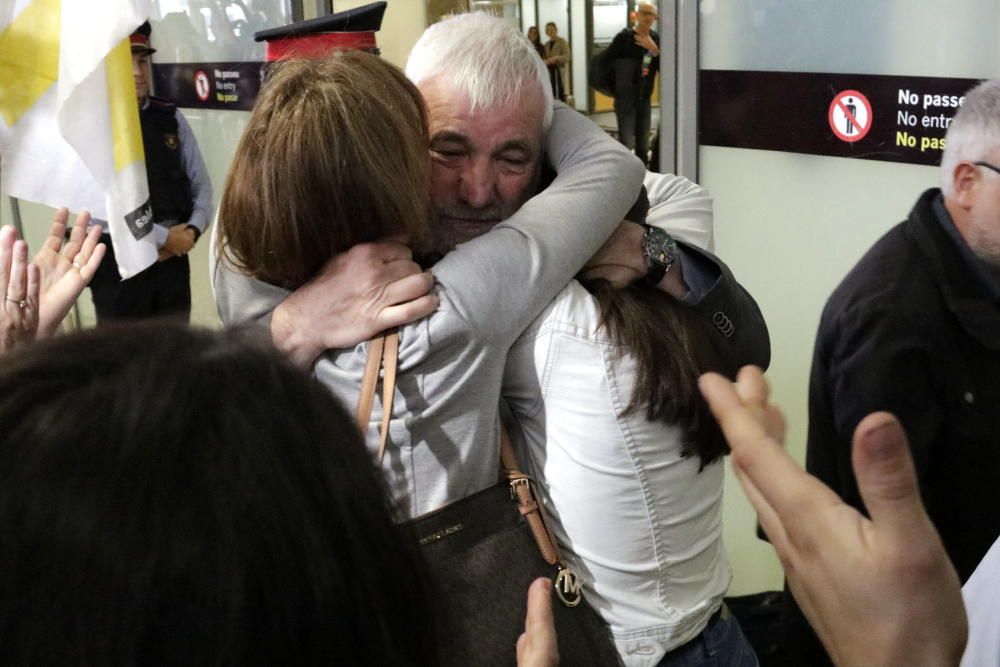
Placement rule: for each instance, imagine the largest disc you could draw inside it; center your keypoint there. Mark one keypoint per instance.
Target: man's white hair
(481, 56)
(974, 131)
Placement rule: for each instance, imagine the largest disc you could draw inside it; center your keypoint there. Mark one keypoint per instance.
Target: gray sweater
(444, 432)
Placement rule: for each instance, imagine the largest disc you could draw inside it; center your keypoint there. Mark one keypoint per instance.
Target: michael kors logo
(441, 534)
(568, 587)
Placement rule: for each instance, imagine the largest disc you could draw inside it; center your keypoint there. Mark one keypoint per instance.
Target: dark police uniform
(165, 287)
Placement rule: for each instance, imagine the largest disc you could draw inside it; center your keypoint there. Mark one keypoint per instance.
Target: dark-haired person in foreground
(256, 532)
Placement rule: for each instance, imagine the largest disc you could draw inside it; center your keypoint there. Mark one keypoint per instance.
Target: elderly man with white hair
(914, 329)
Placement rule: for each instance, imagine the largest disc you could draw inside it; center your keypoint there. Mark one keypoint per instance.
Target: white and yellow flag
(69, 120)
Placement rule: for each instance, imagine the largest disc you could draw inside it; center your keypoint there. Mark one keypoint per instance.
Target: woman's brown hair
(334, 154)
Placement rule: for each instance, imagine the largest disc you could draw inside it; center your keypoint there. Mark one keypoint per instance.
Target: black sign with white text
(864, 116)
(231, 85)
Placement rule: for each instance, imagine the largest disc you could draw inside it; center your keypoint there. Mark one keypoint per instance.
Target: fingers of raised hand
(795, 496)
(7, 238)
(57, 233)
(78, 234)
(770, 520)
(89, 267)
(751, 386)
(17, 282)
(86, 248)
(886, 476)
(20, 293)
(32, 299)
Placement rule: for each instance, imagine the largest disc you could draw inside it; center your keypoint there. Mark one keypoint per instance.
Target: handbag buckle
(568, 587)
(514, 483)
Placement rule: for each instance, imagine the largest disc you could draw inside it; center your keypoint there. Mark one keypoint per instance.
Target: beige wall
(790, 227)
(402, 25)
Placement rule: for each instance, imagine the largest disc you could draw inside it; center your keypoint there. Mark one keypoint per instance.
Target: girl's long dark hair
(671, 347)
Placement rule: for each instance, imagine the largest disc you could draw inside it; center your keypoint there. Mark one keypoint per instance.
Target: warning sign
(201, 85)
(850, 116)
(904, 118)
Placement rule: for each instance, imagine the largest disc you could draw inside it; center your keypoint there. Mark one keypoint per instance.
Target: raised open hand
(66, 267)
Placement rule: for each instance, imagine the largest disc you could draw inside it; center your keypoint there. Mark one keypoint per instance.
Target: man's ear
(965, 181)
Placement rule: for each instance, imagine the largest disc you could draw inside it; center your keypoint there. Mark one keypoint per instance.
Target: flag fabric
(69, 119)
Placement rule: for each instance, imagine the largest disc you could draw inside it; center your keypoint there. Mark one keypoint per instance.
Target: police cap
(315, 38)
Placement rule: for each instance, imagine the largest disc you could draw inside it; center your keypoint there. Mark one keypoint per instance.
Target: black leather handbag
(483, 552)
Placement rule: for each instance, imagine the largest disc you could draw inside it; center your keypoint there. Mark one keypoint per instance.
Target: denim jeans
(721, 644)
(633, 115)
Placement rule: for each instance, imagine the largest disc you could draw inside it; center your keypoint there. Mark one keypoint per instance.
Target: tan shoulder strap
(383, 353)
(567, 585)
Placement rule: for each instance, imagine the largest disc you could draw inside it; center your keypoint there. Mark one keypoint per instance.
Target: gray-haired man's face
(485, 162)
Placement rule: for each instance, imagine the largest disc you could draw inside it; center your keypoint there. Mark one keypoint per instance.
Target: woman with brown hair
(335, 154)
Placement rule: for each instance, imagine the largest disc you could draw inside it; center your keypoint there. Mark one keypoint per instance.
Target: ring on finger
(78, 266)
(21, 303)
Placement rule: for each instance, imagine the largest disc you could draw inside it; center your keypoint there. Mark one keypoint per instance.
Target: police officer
(181, 197)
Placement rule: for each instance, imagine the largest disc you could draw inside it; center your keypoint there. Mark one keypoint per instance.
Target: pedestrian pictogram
(201, 85)
(850, 116)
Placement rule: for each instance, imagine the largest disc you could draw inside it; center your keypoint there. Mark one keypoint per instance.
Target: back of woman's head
(334, 154)
(170, 496)
(670, 347)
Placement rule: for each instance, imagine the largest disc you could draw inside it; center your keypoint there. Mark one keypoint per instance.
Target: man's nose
(478, 186)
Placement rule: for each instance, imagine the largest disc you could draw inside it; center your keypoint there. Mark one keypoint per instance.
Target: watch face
(661, 249)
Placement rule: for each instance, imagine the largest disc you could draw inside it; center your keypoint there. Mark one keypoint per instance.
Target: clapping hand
(65, 267)
(878, 591)
(19, 289)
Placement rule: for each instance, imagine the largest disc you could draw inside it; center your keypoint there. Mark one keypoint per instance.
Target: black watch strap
(661, 253)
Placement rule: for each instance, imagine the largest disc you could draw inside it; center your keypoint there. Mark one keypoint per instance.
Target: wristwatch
(661, 252)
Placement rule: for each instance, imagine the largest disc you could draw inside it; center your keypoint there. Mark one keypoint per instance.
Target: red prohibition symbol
(850, 116)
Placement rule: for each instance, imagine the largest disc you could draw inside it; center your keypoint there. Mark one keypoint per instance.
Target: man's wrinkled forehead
(449, 107)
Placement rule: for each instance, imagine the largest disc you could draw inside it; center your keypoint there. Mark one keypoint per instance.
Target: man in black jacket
(635, 53)
(914, 329)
